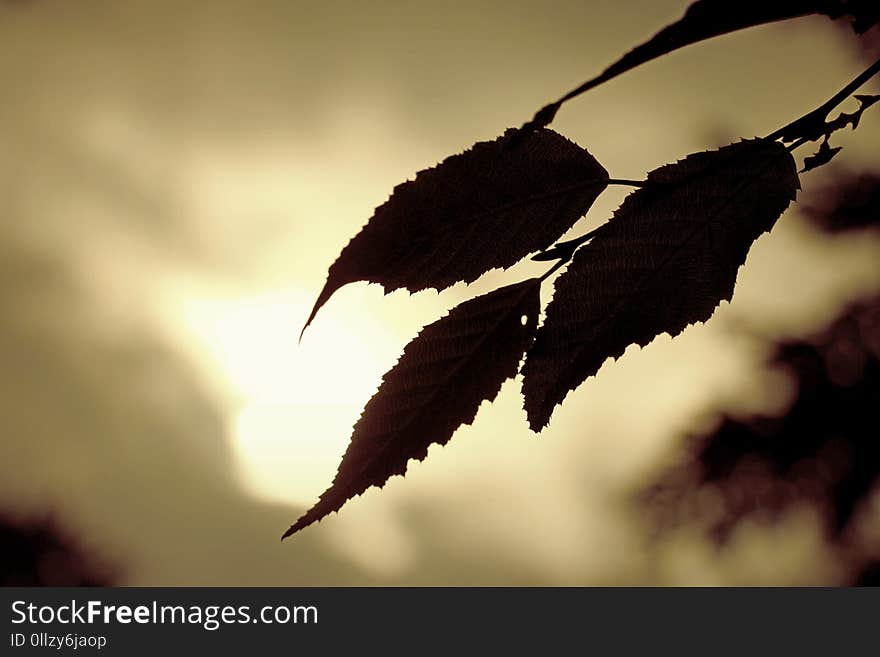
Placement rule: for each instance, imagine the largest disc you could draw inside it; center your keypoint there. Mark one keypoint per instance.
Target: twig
(811, 126)
(628, 183)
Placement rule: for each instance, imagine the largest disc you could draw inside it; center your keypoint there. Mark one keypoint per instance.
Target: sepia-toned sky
(176, 177)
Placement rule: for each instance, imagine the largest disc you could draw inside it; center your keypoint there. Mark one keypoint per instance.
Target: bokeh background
(176, 177)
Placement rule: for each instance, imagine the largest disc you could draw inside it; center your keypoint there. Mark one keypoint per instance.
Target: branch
(812, 126)
(704, 19)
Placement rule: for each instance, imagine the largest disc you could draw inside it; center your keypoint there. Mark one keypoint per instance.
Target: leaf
(487, 207)
(665, 260)
(437, 385)
(705, 19)
(822, 157)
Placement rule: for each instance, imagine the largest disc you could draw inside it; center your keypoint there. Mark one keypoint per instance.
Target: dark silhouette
(437, 385)
(822, 157)
(665, 260)
(705, 19)
(487, 207)
(823, 449)
(42, 554)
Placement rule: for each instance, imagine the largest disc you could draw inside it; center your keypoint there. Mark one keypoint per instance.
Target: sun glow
(291, 408)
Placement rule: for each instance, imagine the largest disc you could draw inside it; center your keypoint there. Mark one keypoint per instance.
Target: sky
(177, 177)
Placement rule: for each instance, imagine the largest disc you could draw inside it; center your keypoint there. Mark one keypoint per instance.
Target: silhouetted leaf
(822, 157)
(705, 19)
(665, 260)
(487, 207)
(437, 385)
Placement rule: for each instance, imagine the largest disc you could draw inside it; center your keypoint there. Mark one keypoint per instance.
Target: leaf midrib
(414, 414)
(710, 217)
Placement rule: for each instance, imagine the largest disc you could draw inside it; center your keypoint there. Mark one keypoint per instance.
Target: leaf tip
(537, 426)
(326, 292)
(313, 515)
(537, 416)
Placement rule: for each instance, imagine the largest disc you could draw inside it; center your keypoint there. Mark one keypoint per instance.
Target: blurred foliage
(869, 575)
(39, 553)
(120, 426)
(823, 451)
(848, 201)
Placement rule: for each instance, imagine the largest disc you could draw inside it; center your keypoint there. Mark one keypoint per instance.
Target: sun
(290, 407)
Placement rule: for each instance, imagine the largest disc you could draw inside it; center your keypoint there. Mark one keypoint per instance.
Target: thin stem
(554, 269)
(563, 251)
(811, 125)
(628, 183)
(791, 148)
(684, 32)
